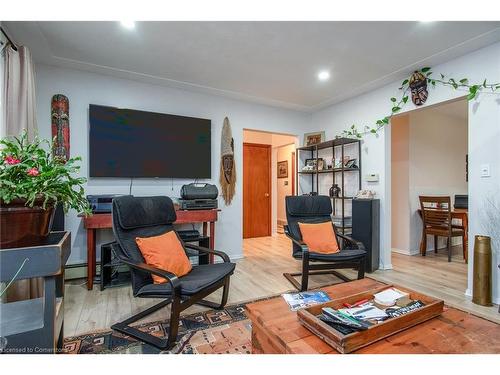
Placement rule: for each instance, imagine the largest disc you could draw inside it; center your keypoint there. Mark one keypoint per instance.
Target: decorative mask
(418, 87)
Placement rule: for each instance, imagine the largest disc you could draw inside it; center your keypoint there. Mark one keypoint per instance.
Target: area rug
(225, 331)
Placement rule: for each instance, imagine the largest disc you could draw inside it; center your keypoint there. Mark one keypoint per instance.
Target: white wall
(438, 145)
(400, 184)
(284, 185)
(428, 158)
(484, 137)
(84, 88)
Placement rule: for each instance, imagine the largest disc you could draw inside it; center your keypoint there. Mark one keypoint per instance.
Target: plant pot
(24, 226)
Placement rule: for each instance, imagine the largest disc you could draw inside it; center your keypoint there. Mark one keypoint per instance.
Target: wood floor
(260, 274)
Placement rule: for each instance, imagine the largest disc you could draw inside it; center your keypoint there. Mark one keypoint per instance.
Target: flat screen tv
(130, 143)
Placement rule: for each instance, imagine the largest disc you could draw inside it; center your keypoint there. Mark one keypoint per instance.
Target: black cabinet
(366, 229)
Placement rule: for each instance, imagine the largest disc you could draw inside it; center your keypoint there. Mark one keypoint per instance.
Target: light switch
(485, 170)
(286, 182)
(373, 177)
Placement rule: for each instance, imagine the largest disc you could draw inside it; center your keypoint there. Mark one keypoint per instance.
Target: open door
(256, 190)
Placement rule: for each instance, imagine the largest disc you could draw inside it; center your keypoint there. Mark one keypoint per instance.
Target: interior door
(256, 190)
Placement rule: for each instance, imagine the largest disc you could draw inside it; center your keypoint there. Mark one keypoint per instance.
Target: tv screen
(130, 143)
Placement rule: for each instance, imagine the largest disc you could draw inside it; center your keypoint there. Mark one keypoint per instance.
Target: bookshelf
(319, 181)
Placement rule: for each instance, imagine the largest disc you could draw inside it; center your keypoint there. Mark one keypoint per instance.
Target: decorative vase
(481, 285)
(334, 191)
(24, 226)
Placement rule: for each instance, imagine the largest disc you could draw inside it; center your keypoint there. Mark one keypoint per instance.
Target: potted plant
(32, 182)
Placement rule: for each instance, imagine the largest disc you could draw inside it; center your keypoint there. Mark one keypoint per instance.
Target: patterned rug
(225, 331)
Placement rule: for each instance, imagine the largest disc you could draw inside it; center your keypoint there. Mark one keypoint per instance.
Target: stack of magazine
(305, 299)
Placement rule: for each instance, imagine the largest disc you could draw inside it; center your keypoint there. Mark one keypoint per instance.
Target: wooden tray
(353, 341)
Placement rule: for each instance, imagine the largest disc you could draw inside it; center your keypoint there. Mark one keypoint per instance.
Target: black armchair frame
(325, 267)
(178, 302)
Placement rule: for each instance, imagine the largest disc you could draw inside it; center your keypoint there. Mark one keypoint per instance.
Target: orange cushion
(164, 252)
(319, 238)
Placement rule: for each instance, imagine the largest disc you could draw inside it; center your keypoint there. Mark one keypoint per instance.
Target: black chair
(318, 209)
(151, 216)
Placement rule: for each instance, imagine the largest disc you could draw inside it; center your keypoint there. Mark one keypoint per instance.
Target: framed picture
(321, 164)
(311, 163)
(283, 169)
(351, 163)
(311, 139)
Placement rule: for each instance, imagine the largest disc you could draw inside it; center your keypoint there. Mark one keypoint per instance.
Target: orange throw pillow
(319, 238)
(164, 252)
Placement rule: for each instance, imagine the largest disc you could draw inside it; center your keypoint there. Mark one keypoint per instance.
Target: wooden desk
(104, 221)
(460, 214)
(276, 330)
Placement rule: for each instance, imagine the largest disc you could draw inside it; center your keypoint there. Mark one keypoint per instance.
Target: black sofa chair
(151, 216)
(318, 209)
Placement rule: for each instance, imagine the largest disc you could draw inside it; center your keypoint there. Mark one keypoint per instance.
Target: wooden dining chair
(436, 217)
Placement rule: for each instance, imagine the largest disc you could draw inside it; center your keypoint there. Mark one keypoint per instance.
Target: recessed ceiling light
(426, 21)
(128, 24)
(324, 75)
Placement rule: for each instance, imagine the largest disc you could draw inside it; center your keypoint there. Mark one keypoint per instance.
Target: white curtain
(19, 112)
(19, 92)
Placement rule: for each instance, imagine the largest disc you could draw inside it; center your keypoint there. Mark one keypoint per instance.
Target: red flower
(11, 160)
(33, 172)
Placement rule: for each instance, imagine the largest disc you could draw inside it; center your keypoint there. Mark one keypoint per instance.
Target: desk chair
(318, 209)
(151, 216)
(436, 218)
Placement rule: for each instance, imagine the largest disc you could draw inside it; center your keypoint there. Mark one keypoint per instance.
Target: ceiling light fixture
(324, 75)
(128, 24)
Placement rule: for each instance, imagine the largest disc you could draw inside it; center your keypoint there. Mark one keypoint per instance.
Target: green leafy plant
(398, 104)
(30, 172)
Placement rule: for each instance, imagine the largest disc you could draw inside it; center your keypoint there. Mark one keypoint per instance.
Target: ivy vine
(398, 104)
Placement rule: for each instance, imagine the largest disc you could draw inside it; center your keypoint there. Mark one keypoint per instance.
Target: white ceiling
(268, 62)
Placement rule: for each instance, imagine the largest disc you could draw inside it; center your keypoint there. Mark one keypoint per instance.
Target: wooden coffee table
(276, 330)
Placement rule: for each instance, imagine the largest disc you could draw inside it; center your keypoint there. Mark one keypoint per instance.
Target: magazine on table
(305, 299)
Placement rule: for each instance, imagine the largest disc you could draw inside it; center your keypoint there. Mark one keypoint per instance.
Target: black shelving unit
(339, 204)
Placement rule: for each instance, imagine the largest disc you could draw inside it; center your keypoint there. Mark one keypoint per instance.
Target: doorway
(273, 173)
(429, 151)
(256, 190)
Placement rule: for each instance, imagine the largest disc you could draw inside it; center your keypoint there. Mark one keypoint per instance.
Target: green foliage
(397, 105)
(29, 171)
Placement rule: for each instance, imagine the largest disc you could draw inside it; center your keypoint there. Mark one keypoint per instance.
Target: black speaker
(366, 229)
(58, 221)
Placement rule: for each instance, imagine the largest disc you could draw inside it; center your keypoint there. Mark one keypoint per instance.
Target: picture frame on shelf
(320, 164)
(311, 163)
(311, 139)
(283, 169)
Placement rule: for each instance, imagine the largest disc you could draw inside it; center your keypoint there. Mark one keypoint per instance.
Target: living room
(238, 141)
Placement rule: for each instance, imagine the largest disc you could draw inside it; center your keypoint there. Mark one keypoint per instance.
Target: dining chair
(437, 222)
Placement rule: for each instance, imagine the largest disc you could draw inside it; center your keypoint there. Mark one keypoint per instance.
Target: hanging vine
(398, 104)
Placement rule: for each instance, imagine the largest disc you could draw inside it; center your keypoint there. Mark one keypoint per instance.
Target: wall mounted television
(131, 143)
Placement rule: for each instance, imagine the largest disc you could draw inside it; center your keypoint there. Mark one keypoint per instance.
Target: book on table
(305, 299)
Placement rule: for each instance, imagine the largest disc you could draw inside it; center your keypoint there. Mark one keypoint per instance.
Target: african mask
(418, 87)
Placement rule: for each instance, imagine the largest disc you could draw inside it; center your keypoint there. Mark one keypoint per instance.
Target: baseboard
(79, 271)
(400, 251)
(385, 267)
